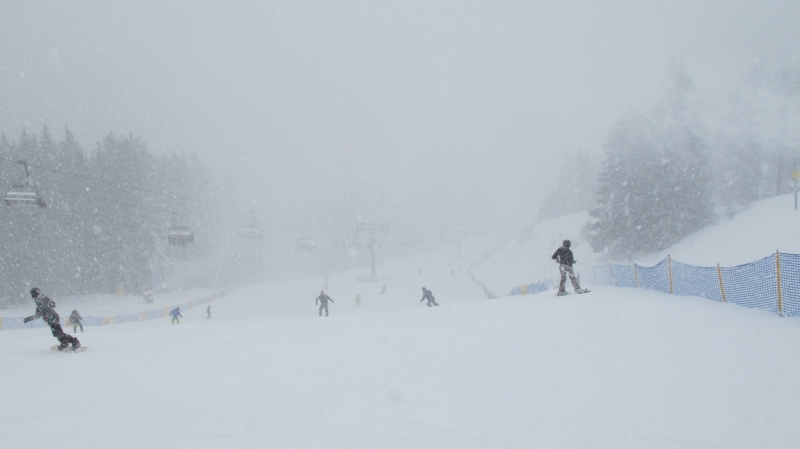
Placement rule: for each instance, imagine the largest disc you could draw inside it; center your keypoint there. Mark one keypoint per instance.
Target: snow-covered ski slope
(767, 226)
(615, 368)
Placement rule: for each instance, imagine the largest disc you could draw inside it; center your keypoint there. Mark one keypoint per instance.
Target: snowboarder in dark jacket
(563, 256)
(426, 294)
(322, 300)
(76, 319)
(176, 315)
(46, 310)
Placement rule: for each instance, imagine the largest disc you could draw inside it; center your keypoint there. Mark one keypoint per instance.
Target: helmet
(567, 243)
(35, 292)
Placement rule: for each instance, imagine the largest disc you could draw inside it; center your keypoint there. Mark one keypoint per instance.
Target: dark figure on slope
(176, 315)
(76, 319)
(563, 256)
(426, 294)
(322, 300)
(46, 310)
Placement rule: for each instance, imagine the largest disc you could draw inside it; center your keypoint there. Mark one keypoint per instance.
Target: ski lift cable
(118, 184)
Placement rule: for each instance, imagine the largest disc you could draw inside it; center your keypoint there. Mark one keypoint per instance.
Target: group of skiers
(45, 307)
(322, 300)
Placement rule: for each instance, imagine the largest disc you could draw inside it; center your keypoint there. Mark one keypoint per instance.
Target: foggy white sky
(434, 107)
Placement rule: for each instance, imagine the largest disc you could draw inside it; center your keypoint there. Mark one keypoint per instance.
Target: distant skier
(426, 294)
(176, 315)
(563, 256)
(76, 319)
(322, 300)
(46, 310)
(208, 311)
(383, 290)
(358, 300)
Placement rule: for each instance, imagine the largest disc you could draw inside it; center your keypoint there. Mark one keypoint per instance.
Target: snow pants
(323, 306)
(62, 337)
(432, 302)
(174, 319)
(75, 327)
(567, 270)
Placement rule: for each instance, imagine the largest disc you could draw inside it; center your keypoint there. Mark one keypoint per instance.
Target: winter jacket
(426, 294)
(45, 309)
(563, 255)
(76, 317)
(175, 313)
(324, 298)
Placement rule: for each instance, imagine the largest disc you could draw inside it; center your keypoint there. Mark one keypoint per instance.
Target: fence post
(721, 286)
(616, 284)
(778, 276)
(669, 265)
(636, 273)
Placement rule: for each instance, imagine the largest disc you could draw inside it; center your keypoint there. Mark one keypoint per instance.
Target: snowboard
(577, 293)
(81, 349)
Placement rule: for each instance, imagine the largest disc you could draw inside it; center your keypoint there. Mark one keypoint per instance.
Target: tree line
(107, 216)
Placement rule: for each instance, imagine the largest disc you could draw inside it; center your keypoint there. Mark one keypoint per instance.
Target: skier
(75, 318)
(208, 311)
(563, 256)
(358, 300)
(426, 294)
(176, 314)
(46, 309)
(383, 290)
(322, 300)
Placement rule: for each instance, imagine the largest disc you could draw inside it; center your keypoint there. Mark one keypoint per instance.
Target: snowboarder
(563, 256)
(322, 300)
(426, 294)
(46, 309)
(358, 300)
(176, 314)
(75, 318)
(208, 311)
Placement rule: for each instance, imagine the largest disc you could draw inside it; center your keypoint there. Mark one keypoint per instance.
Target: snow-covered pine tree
(653, 188)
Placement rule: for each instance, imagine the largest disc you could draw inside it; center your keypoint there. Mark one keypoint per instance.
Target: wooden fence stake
(669, 265)
(778, 276)
(636, 273)
(721, 286)
(612, 274)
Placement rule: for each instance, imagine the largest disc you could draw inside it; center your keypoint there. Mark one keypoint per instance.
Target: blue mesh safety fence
(9, 323)
(624, 275)
(790, 284)
(655, 277)
(532, 289)
(753, 285)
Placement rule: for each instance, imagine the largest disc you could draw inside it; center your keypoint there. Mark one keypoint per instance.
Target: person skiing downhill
(76, 319)
(358, 300)
(46, 309)
(176, 315)
(565, 259)
(322, 300)
(208, 311)
(426, 294)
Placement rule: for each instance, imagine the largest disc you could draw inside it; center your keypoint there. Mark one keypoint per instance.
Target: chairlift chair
(23, 194)
(352, 242)
(250, 230)
(408, 242)
(305, 244)
(180, 235)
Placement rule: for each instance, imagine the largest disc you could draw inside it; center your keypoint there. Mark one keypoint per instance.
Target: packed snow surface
(614, 368)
